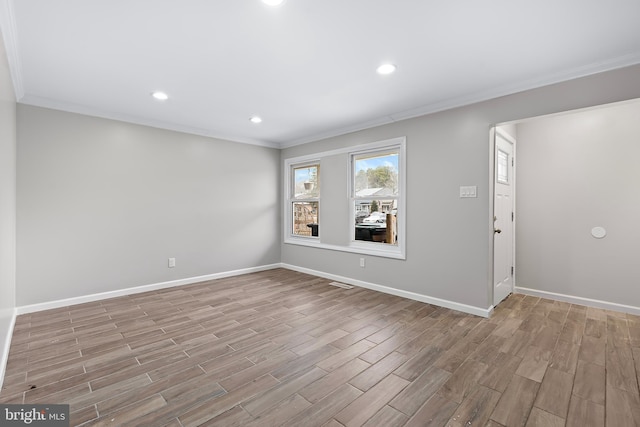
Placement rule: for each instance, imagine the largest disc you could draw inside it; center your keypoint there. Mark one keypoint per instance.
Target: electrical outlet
(172, 262)
(362, 262)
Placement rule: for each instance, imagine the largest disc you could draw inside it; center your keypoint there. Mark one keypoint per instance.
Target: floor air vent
(341, 285)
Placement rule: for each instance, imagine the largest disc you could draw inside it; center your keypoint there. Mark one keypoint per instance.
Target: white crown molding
(340, 131)
(10, 36)
(69, 107)
(510, 89)
(485, 95)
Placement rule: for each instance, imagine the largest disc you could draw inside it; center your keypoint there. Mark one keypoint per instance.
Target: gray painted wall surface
(575, 172)
(449, 250)
(7, 200)
(103, 204)
(334, 175)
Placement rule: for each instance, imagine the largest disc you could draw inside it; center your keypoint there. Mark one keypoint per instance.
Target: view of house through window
(305, 204)
(375, 196)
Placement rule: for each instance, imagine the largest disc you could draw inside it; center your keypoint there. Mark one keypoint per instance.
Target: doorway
(504, 214)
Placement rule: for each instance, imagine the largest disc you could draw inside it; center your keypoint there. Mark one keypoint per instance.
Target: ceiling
(307, 67)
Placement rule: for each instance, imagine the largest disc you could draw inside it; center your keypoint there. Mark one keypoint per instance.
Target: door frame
(493, 134)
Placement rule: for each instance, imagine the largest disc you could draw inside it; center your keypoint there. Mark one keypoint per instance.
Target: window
(503, 167)
(362, 199)
(305, 200)
(375, 195)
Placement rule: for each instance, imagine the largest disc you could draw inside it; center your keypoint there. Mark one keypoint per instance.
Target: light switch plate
(468, 191)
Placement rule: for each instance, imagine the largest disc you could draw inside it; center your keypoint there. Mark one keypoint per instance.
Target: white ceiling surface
(306, 67)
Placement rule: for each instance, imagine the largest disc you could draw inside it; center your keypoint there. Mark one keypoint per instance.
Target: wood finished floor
(281, 348)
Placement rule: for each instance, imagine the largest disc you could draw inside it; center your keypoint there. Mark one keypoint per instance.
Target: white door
(503, 211)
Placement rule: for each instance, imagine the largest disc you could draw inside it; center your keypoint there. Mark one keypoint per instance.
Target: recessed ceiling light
(273, 2)
(160, 96)
(255, 119)
(386, 69)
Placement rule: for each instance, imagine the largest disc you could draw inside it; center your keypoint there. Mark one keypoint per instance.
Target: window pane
(367, 207)
(503, 167)
(376, 174)
(305, 218)
(376, 225)
(305, 182)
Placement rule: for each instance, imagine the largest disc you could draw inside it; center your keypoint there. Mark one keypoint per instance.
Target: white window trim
(359, 247)
(376, 248)
(290, 198)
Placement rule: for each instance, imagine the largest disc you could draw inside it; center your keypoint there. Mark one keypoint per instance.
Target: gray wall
(577, 171)
(7, 201)
(449, 252)
(103, 204)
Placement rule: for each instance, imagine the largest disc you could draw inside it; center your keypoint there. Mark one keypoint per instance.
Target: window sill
(372, 249)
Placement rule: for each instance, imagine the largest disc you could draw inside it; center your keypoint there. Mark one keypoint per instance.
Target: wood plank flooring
(281, 348)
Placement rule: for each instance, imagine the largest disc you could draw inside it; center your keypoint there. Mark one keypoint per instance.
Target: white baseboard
(6, 346)
(477, 311)
(579, 300)
(139, 289)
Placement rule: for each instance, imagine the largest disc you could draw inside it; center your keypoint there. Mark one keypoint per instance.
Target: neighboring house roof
(374, 192)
